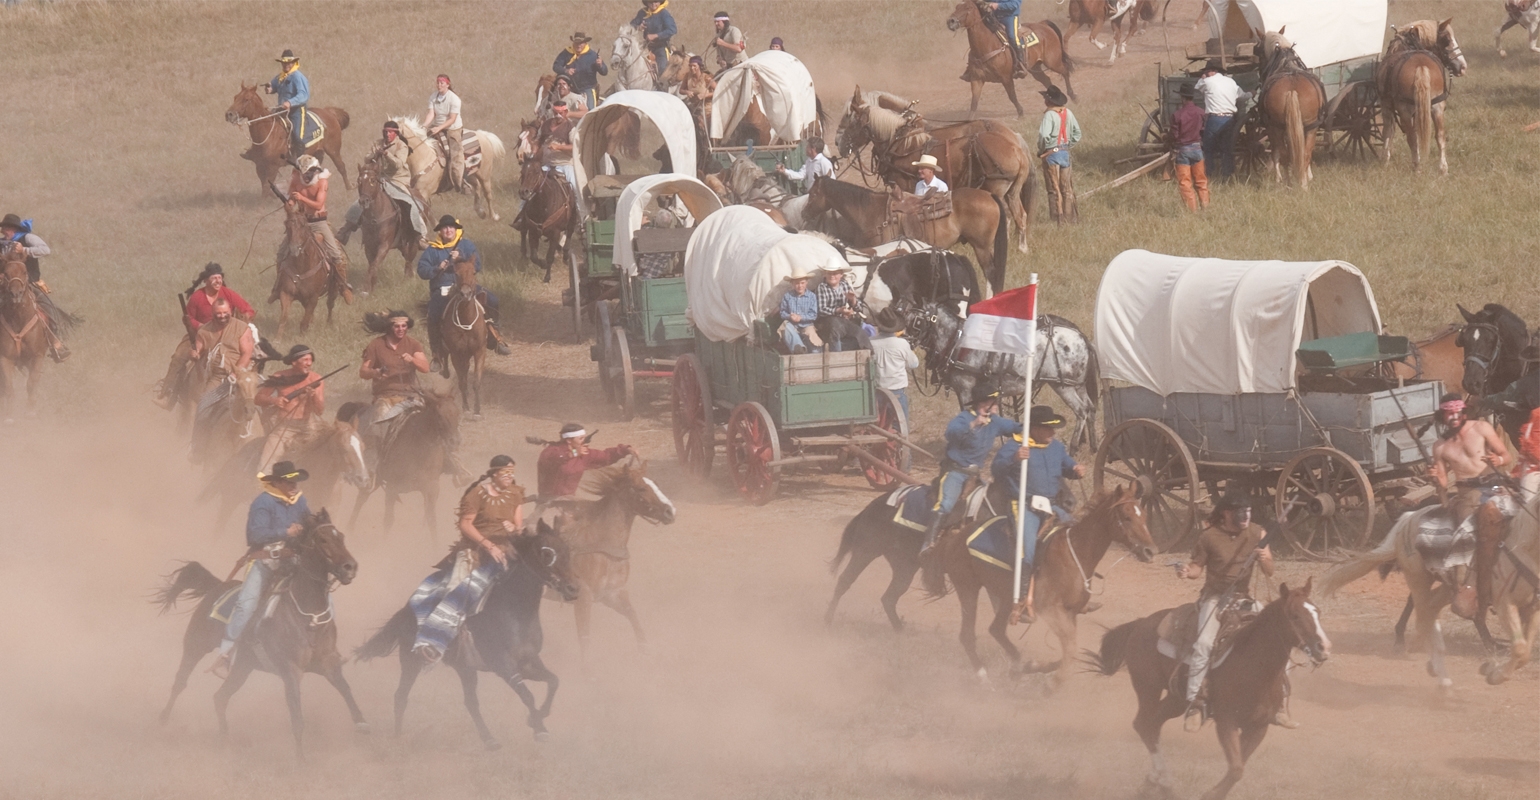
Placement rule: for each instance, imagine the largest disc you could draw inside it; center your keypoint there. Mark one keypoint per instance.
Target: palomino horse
(385, 224)
(549, 212)
(1413, 88)
(990, 59)
(1525, 14)
(1066, 564)
(1512, 583)
(299, 636)
(483, 150)
(417, 457)
(503, 637)
(983, 154)
(1095, 14)
(609, 500)
(1245, 690)
(269, 133)
(227, 419)
(1290, 101)
(336, 455)
(868, 219)
(304, 274)
(463, 329)
(25, 344)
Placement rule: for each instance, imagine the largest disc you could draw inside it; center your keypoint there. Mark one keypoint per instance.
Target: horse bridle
(324, 616)
(1486, 363)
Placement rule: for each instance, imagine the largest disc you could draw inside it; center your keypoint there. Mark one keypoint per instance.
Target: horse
(678, 66)
(549, 212)
(1095, 14)
(937, 276)
(1413, 89)
(1067, 562)
(1436, 356)
(1525, 13)
(983, 154)
(304, 274)
(1245, 689)
(417, 457)
(429, 165)
(385, 225)
(298, 636)
(609, 500)
(632, 64)
(747, 183)
(1290, 103)
(464, 333)
(227, 419)
(869, 218)
(25, 344)
(336, 455)
(269, 131)
(503, 637)
(990, 59)
(1436, 37)
(1493, 342)
(1064, 360)
(1512, 584)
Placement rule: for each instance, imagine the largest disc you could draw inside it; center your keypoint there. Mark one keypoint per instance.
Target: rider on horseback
(226, 347)
(307, 192)
(562, 464)
(969, 437)
(299, 398)
(1007, 15)
(436, 266)
(1048, 464)
(581, 65)
(658, 25)
(293, 90)
(275, 516)
(16, 232)
(198, 310)
(391, 153)
(391, 362)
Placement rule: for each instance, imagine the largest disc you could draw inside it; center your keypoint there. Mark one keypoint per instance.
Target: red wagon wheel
(1325, 503)
(694, 420)
(1145, 453)
(890, 417)
(752, 450)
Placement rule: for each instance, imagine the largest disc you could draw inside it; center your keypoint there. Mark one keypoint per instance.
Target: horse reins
(454, 314)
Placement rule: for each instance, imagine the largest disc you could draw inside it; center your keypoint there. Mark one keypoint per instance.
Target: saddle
(470, 146)
(912, 212)
(313, 131)
(1178, 629)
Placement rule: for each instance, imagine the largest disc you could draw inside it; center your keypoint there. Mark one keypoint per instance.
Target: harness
(557, 222)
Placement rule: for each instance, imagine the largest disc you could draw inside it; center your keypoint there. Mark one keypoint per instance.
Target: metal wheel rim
(1149, 450)
(1344, 522)
(751, 445)
(890, 417)
(625, 388)
(602, 344)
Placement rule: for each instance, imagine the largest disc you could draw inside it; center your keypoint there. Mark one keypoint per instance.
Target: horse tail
(1422, 124)
(389, 636)
(1114, 649)
(1069, 63)
(848, 538)
(1093, 372)
(490, 143)
(342, 120)
(1296, 128)
(933, 577)
(192, 579)
(1364, 563)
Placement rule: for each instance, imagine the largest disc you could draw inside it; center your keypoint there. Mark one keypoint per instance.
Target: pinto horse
(299, 636)
(25, 344)
(463, 329)
(385, 224)
(303, 273)
(1413, 88)
(1066, 564)
(549, 212)
(1290, 102)
(990, 60)
(1245, 690)
(1095, 14)
(269, 133)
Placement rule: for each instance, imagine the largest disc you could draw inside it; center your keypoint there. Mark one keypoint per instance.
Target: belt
(317, 218)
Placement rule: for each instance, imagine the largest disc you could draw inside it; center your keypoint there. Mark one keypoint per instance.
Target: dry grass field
(115, 143)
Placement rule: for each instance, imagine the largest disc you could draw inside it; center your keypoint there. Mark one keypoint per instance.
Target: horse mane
(884, 123)
(598, 484)
(413, 124)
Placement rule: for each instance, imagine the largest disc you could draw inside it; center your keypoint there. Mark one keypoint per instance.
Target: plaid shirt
(831, 299)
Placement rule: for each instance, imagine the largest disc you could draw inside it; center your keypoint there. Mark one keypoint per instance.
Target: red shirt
(559, 470)
(1529, 444)
(200, 308)
(1187, 125)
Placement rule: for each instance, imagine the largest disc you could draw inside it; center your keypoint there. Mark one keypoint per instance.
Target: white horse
(631, 62)
(1524, 13)
(1513, 587)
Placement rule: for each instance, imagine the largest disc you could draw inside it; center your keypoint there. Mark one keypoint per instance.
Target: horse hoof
(1432, 673)
(475, 418)
(1495, 677)
(492, 744)
(1485, 668)
(362, 728)
(542, 736)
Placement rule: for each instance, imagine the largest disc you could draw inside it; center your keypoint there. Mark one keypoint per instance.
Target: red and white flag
(1005, 323)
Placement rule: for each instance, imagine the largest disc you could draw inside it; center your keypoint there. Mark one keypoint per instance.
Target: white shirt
(1220, 93)
(892, 358)
(820, 165)
(921, 187)
(444, 104)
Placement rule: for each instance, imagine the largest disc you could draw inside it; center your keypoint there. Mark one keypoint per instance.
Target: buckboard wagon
(1267, 378)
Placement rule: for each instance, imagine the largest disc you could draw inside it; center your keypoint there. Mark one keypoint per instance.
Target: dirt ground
(743, 691)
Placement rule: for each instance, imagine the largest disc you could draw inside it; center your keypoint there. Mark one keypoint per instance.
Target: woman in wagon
(817, 164)
(927, 166)
(839, 323)
(799, 312)
(1048, 463)
(969, 438)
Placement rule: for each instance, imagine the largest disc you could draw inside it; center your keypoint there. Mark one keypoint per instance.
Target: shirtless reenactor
(297, 397)
(1466, 454)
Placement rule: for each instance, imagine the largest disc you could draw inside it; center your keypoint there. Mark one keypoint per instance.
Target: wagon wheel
(752, 449)
(1353, 124)
(620, 367)
(600, 351)
(1152, 135)
(694, 422)
(890, 417)
(1251, 148)
(1147, 454)
(1325, 502)
(575, 257)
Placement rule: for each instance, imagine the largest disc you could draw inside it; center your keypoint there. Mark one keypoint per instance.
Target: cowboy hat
(984, 392)
(288, 55)
(841, 268)
(448, 221)
(307, 163)
(297, 352)
(1213, 65)
(798, 273)
(284, 471)
(1054, 96)
(581, 37)
(10, 221)
(889, 321)
(927, 160)
(1188, 90)
(1046, 417)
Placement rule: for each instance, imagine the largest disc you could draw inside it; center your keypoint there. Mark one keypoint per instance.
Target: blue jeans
(903, 400)
(1189, 154)
(245, 603)
(660, 55)
(1058, 158)
(951, 490)
(791, 336)
(1219, 144)
(1032, 523)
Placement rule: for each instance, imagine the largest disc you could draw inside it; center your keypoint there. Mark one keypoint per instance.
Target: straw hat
(927, 160)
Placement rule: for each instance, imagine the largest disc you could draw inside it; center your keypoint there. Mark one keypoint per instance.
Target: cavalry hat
(983, 392)
(927, 160)
(297, 352)
(10, 221)
(307, 163)
(1054, 96)
(288, 55)
(581, 37)
(1046, 417)
(448, 221)
(284, 471)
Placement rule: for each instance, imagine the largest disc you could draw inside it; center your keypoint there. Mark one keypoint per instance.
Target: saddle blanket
(1444, 545)
(994, 542)
(1177, 631)
(313, 130)
(470, 144)
(916, 505)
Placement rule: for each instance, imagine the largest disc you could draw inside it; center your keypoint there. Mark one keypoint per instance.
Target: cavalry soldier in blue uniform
(436, 266)
(581, 65)
(1048, 463)
(658, 26)
(293, 90)
(1008, 15)
(969, 437)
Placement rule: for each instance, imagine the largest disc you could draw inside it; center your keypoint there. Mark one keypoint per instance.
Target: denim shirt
(435, 257)
(270, 517)
(805, 306)
(969, 446)
(294, 90)
(1047, 467)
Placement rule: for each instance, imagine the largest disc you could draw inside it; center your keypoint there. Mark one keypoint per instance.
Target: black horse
(1494, 341)
(934, 276)
(503, 638)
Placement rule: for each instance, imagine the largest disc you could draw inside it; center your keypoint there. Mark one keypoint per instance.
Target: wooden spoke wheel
(1147, 454)
(753, 447)
(694, 417)
(1152, 135)
(1252, 150)
(1353, 126)
(1325, 503)
(620, 367)
(890, 417)
(575, 258)
(599, 351)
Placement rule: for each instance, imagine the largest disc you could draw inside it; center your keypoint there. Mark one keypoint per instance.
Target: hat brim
(1055, 421)
(297, 476)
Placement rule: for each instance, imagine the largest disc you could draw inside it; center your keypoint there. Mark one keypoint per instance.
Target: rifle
(181, 300)
(311, 386)
(536, 440)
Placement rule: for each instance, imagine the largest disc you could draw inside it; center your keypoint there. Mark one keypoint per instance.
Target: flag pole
(1026, 413)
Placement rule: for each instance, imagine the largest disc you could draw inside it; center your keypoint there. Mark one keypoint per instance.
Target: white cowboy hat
(840, 269)
(798, 273)
(307, 163)
(927, 160)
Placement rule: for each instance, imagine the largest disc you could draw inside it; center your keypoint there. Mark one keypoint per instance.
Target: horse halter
(1484, 362)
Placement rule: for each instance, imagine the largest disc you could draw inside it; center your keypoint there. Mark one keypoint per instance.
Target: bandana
(287, 500)
(721, 18)
(286, 69)
(1452, 406)
(577, 50)
(449, 245)
(577, 434)
(661, 6)
(1031, 443)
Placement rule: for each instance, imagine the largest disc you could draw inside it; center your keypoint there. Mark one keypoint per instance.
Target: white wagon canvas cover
(783, 86)
(631, 208)
(1323, 31)
(666, 112)
(1205, 325)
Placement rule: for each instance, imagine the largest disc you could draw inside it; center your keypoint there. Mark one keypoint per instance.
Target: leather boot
(495, 341)
(346, 231)
(436, 347)
(931, 531)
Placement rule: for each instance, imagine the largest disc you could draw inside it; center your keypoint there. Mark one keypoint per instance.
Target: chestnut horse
(867, 219)
(463, 329)
(299, 636)
(269, 133)
(25, 344)
(1290, 102)
(1094, 13)
(1245, 690)
(385, 225)
(990, 60)
(549, 212)
(1066, 564)
(418, 456)
(1414, 89)
(304, 274)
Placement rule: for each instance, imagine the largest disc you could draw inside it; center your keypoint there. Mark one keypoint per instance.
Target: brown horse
(1062, 588)
(304, 274)
(867, 218)
(990, 60)
(549, 212)
(609, 500)
(300, 635)
(418, 456)
(1245, 691)
(983, 154)
(1414, 88)
(1290, 102)
(269, 133)
(1094, 14)
(25, 344)
(385, 224)
(463, 329)
(336, 455)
